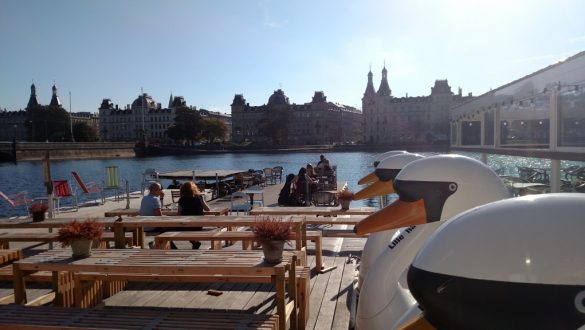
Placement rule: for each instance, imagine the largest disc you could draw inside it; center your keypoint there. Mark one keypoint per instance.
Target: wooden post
(19, 285)
(119, 237)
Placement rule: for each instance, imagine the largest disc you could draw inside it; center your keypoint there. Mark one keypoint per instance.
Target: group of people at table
(298, 188)
(191, 202)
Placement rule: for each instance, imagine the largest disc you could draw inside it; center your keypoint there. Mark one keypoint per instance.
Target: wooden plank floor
(329, 300)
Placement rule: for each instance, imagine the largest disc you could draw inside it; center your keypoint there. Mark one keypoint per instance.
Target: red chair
(17, 200)
(61, 189)
(88, 188)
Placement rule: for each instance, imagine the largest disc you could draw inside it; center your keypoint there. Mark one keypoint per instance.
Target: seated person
(175, 185)
(323, 165)
(151, 204)
(311, 172)
(285, 197)
(191, 202)
(303, 186)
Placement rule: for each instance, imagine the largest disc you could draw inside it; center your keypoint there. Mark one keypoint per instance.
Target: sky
(208, 51)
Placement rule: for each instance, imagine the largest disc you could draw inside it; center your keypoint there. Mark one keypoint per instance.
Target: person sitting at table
(311, 172)
(303, 185)
(323, 164)
(151, 204)
(285, 197)
(192, 202)
(175, 185)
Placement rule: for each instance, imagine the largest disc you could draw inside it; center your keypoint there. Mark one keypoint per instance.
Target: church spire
(32, 101)
(384, 89)
(370, 91)
(55, 99)
(171, 101)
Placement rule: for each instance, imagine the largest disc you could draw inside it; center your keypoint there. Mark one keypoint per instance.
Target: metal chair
(269, 175)
(112, 181)
(17, 200)
(239, 202)
(149, 176)
(88, 188)
(62, 189)
(277, 173)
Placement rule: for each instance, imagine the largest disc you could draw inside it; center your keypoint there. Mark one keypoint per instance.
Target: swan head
(436, 188)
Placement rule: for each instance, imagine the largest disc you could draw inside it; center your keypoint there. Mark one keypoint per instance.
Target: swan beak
(396, 215)
(419, 323)
(378, 188)
(368, 178)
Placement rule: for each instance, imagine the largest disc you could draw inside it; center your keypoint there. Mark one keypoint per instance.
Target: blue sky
(207, 51)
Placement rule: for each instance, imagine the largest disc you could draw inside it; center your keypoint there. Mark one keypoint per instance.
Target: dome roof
(149, 102)
(278, 98)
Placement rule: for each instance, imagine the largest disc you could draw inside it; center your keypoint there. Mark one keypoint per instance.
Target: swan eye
(452, 187)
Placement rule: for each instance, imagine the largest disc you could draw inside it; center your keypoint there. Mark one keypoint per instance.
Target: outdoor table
(312, 210)
(50, 223)
(136, 212)
(108, 222)
(203, 266)
(141, 222)
(251, 193)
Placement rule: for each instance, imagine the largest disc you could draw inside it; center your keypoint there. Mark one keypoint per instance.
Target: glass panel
(488, 134)
(470, 133)
(454, 134)
(526, 122)
(572, 116)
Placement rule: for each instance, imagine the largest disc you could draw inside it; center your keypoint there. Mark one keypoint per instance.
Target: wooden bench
(92, 288)
(161, 241)
(6, 238)
(8, 256)
(48, 317)
(65, 282)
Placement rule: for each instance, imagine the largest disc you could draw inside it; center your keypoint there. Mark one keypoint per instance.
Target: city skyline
(208, 52)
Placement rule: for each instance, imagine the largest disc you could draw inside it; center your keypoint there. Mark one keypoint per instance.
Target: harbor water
(351, 166)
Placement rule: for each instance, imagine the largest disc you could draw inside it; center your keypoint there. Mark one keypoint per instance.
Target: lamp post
(14, 144)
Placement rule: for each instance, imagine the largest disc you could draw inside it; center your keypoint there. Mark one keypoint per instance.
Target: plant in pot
(38, 211)
(344, 196)
(80, 235)
(272, 233)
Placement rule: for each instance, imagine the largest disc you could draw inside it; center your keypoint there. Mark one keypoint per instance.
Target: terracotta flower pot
(273, 251)
(81, 248)
(38, 216)
(344, 204)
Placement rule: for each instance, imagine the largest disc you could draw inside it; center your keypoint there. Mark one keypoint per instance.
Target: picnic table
(197, 266)
(312, 210)
(50, 223)
(136, 212)
(140, 222)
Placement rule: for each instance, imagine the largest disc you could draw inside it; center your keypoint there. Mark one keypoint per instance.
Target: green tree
(213, 129)
(48, 124)
(84, 133)
(274, 124)
(186, 126)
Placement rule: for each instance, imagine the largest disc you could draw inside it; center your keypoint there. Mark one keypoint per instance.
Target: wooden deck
(329, 300)
(330, 293)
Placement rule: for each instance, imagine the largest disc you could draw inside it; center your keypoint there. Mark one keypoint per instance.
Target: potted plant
(272, 233)
(344, 196)
(38, 211)
(80, 235)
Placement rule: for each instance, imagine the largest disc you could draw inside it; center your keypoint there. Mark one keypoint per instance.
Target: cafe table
(196, 266)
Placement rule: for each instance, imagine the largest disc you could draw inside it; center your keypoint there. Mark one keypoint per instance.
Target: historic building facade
(407, 120)
(13, 123)
(315, 122)
(147, 116)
